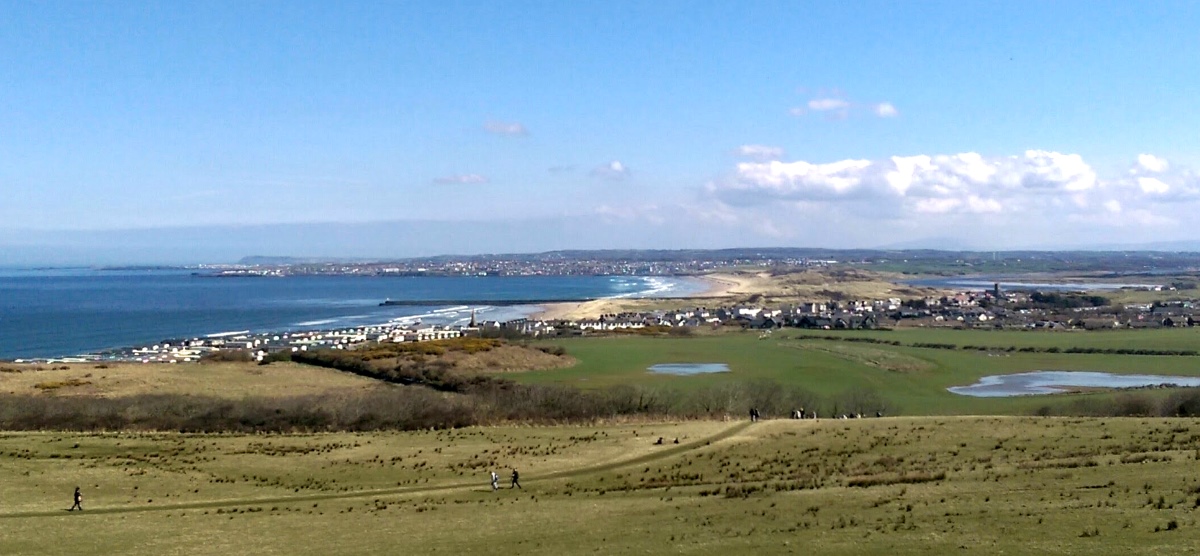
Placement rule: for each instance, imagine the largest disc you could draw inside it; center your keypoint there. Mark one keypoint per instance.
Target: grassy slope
(1012, 485)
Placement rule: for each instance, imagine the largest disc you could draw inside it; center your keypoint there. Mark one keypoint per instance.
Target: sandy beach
(718, 286)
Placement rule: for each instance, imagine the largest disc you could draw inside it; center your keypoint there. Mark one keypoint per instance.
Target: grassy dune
(895, 485)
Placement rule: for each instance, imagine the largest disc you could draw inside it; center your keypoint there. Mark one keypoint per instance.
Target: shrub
(227, 356)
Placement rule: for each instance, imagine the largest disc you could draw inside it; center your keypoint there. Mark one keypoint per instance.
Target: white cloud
(460, 179)
(1156, 179)
(613, 171)
(885, 110)
(827, 104)
(759, 152)
(916, 177)
(981, 205)
(937, 206)
(834, 105)
(1151, 163)
(998, 198)
(1153, 186)
(511, 129)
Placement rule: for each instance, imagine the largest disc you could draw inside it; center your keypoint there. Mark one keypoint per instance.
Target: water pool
(688, 368)
(1055, 382)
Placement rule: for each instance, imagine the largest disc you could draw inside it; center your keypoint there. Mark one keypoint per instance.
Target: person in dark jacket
(516, 480)
(78, 501)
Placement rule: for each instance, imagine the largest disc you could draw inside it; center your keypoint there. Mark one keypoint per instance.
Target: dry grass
(221, 380)
(508, 358)
(875, 486)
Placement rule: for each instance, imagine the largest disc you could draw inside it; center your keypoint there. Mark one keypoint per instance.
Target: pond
(1055, 382)
(688, 368)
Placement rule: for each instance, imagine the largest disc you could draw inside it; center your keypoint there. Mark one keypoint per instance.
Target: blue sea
(66, 312)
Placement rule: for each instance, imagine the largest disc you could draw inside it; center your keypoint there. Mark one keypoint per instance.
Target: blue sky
(130, 125)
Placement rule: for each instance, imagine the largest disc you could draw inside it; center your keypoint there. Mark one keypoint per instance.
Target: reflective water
(688, 368)
(1054, 382)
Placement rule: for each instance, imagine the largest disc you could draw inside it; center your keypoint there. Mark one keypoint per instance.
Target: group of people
(516, 480)
(802, 414)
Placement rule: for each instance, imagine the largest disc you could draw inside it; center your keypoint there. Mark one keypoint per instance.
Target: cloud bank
(1037, 188)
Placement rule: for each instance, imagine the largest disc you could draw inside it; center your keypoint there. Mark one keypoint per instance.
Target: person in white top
(495, 481)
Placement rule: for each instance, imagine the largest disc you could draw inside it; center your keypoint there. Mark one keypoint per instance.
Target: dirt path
(730, 431)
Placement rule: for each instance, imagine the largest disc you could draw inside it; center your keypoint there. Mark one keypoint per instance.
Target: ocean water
(55, 313)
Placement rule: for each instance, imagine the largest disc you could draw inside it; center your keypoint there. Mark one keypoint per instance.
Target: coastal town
(542, 264)
(991, 308)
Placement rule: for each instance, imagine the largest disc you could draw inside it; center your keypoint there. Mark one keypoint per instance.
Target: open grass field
(927, 485)
(912, 379)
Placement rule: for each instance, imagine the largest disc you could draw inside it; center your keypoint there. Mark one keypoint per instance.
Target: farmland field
(900, 485)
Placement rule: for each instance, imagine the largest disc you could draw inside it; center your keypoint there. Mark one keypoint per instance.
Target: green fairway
(928, 485)
(912, 379)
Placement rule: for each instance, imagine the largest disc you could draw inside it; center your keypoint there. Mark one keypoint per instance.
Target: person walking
(516, 480)
(78, 501)
(495, 481)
